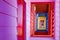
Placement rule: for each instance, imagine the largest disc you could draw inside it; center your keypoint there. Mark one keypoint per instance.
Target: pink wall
(28, 6)
(42, 0)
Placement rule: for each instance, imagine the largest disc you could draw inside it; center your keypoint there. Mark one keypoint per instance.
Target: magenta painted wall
(8, 21)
